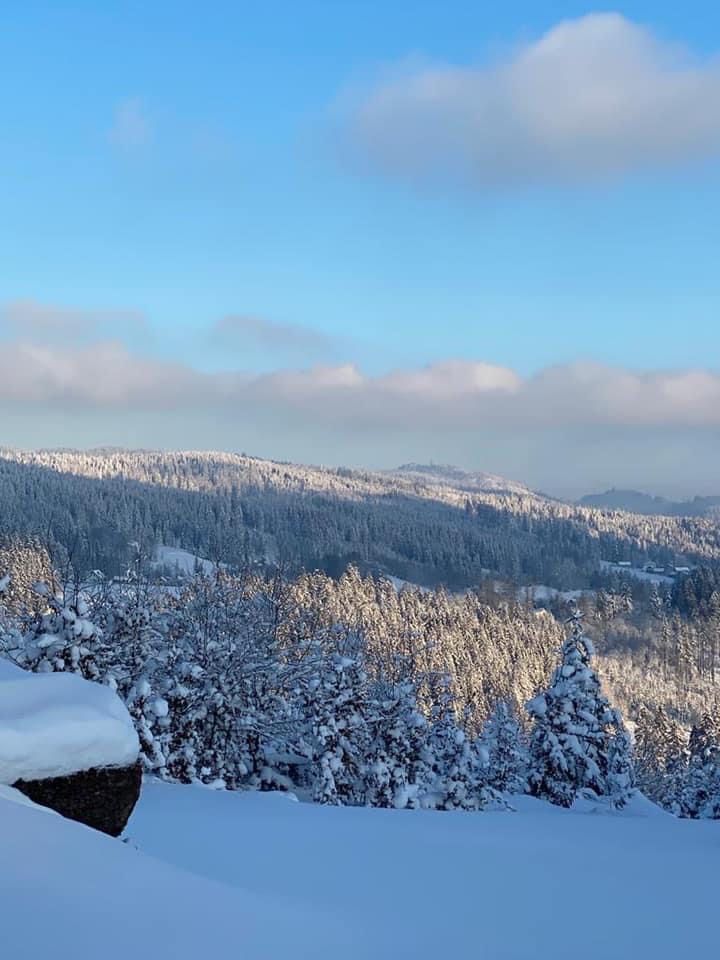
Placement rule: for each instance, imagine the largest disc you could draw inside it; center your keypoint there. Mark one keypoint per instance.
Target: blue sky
(182, 164)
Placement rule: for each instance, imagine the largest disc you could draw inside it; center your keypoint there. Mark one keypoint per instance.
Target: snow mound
(70, 893)
(55, 724)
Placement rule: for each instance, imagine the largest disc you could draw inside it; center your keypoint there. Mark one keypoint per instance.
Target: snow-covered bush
(397, 767)
(62, 638)
(339, 731)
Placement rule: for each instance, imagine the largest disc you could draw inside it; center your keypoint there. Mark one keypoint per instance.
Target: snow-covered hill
(425, 524)
(181, 562)
(446, 475)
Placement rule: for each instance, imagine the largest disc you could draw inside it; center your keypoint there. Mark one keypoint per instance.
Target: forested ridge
(240, 510)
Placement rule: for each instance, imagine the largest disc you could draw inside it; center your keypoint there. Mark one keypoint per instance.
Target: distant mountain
(632, 501)
(446, 475)
(635, 501)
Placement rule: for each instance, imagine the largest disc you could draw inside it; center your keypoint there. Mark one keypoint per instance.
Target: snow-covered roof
(54, 724)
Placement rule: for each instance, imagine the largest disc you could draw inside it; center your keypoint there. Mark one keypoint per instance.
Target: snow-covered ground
(70, 893)
(539, 592)
(181, 561)
(262, 877)
(637, 572)
(401, 584)
(538, 883)
(52, 724)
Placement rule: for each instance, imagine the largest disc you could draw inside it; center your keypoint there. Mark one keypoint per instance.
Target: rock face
(101, 798)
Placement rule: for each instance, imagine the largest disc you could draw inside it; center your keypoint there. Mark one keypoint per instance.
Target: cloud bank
(593, 98)
(566, 428)
(445, 394)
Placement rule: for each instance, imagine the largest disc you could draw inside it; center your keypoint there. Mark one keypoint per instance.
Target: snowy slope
(69, 893)
(182, 561)
(539, 883)
(454, 477)
(52, 724)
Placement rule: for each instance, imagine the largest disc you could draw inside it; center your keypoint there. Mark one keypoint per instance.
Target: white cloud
(593, 98)
(240, 330)
(474, 395)
(455, 393)
(34, 321)
(131, 127)
(452, 378)
(95, 376)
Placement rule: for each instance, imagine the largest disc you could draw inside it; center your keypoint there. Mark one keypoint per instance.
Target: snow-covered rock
(55, 724)
(70, 745)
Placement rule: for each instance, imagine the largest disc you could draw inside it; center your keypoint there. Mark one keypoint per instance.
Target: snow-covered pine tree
(504, 743)
(662, 757)
(456, 773)
(700, 794)
(621, 768)
(648, 760)
(573, 727)
(676, 770)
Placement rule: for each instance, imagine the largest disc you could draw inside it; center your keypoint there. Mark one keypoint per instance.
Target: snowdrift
(70, 893)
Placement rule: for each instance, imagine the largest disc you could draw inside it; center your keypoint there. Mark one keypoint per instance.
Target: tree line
(358, 693)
